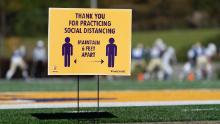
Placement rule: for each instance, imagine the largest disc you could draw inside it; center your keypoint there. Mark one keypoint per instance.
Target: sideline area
(66, 99)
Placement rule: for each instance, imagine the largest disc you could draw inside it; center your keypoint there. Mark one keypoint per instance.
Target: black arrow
(101, 61)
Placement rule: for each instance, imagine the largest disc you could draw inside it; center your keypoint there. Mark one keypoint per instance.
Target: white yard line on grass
(106, 104)
(200, 109)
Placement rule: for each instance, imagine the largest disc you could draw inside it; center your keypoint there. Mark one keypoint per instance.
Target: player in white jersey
(204, 64)
(39, 59)
(201, 62)
(137, 56)
(190, 64)
(155, 62)
(168, 58)
(17, 61)
(210, 51)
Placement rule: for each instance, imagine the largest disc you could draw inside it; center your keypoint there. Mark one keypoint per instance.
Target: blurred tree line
(30, 17)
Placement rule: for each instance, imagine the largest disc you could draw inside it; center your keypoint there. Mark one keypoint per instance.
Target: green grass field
(123, 114)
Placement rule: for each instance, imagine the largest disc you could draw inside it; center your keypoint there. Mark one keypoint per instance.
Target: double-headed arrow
(101, 61)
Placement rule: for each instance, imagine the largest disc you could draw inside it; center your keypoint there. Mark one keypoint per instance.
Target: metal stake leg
(98, 93)
(78, 93)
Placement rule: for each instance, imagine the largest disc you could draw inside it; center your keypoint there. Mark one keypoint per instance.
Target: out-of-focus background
(175, 47)
(158, 26)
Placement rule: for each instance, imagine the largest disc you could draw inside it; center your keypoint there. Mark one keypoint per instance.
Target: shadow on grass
(73, 115)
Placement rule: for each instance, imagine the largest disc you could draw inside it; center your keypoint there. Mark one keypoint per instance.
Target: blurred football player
(155, 64)
(39, 60)
(17, 61)
(137, 56)
(189, 66)
(168, 59)
(210, 51)
(201, 61)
